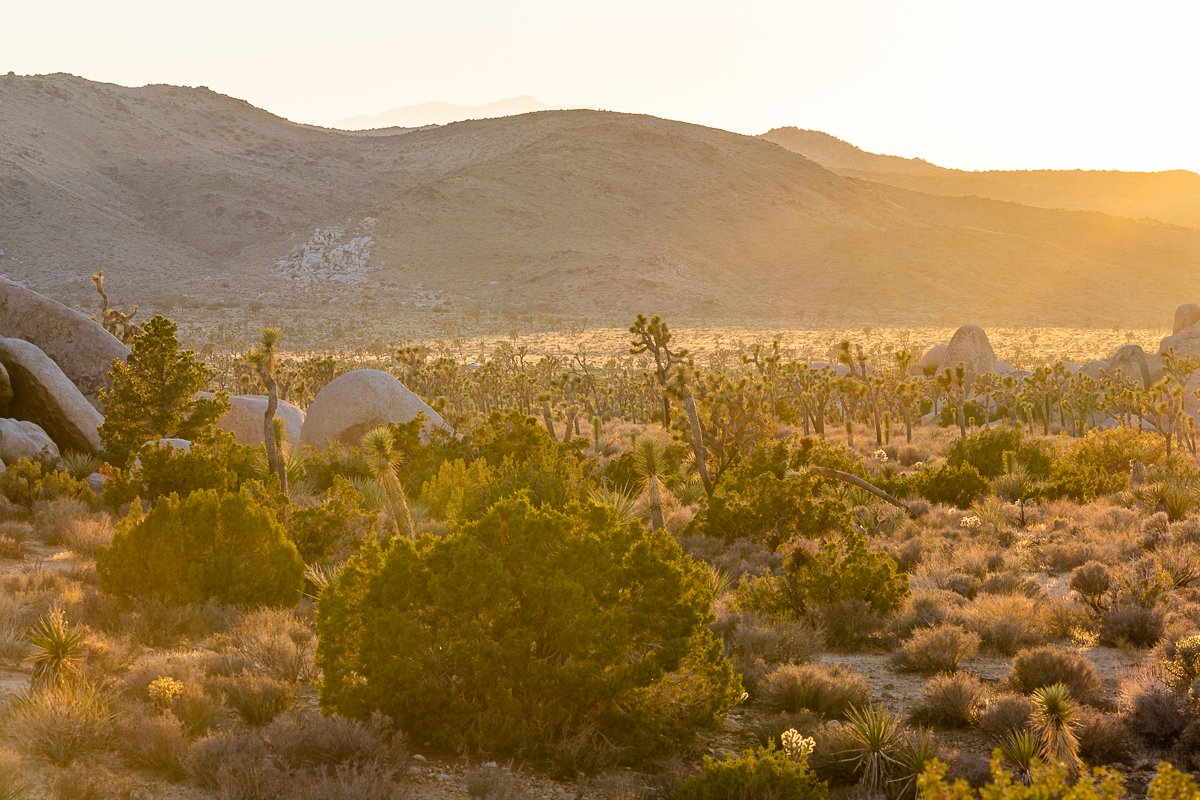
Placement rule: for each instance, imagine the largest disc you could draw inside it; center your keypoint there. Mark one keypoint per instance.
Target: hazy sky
(965, 83)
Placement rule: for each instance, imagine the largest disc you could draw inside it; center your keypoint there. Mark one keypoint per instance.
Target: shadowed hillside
(205, 207)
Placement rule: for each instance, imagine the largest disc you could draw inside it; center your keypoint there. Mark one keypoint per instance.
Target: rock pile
(53, 363)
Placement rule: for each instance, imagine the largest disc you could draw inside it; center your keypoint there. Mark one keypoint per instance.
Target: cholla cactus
(973, 522)
(797, 746)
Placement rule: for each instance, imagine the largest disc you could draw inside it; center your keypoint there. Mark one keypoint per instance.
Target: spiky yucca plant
(875, 737)
(650, 460)
(58, 648)
(1055, 718)
(80, 465)
(379, 452)
(915, 751)
(619, 501)
(1022, 750)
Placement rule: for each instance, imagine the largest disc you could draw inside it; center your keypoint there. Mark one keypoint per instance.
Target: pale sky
(964, 83)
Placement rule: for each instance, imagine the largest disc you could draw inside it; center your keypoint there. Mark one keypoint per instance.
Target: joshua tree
(653, 336)
(263, 360)
(118, 323)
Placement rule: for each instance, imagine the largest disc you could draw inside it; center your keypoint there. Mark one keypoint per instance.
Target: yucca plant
(80, 465)
(381, 456)
(650, 465)
(1055, 718)
(621, 502)
(915, 751)
(874, 737)
(58, 648)
(1022, 750)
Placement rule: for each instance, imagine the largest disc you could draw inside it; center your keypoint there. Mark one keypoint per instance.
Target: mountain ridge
(228, 217)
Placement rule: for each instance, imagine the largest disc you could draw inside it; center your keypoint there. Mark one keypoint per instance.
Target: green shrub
(759, 500)
(819, 575)
(985, 452)
(26, 483)
(1098, 464)
(765, 773)
(526, 629)
(332, 528)
(154, 394)
(208, 546)
(222, 466)
(958, 486)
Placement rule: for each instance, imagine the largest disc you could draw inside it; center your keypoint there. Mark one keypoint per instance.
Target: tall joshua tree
(654, 337)
(262, 359)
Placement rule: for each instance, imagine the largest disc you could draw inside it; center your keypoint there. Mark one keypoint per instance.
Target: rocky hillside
(207, 208)
(1172, 196)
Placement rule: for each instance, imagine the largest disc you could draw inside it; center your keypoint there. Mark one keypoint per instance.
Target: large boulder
(6, 390)
(81, 348)
(931, 362)
(244, 419)
(1185, 343)
(23, 439)
(1186, 316)
(970, 347)
(1131, 360)
(358, 401)
(43, 394)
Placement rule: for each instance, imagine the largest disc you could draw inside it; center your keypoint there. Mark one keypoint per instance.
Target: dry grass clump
(258, 699)
(91, 782)
(235, 766)
(61, 722)
(276, 642)
(369, 781)
(937, 649)
(86, 535)
(155, 743)
(1133, 626)
(53, 518)
(755, 642)
(950, 701)
(307, 739)
(1152, 710)
(1038, 667)
(1104, 739)
(1008, 622)
(490, 782)
(830, 690)
(1005, 714)
(926, 608)
(14, 777)
(737, 559)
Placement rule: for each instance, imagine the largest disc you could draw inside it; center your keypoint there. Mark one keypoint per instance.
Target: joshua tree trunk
(837, 474)
(655, 497)
(698, 448)
(548, 418)
(274, 456)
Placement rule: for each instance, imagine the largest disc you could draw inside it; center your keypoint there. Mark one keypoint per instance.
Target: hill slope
(189, 201)
(1172, 196)
(439, 113)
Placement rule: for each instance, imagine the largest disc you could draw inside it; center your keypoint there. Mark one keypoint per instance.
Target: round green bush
(208, 546)
(526, 629)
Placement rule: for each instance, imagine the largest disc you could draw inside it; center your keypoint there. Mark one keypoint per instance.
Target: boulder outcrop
(970, 347)
(358, 401)
(1186, 316)
(42, 393)
(244, 419)
(83, 350)
(23, 439)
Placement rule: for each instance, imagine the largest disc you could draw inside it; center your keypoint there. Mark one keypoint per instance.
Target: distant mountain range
(1172, 196)
(228, 217)
(439, 113)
